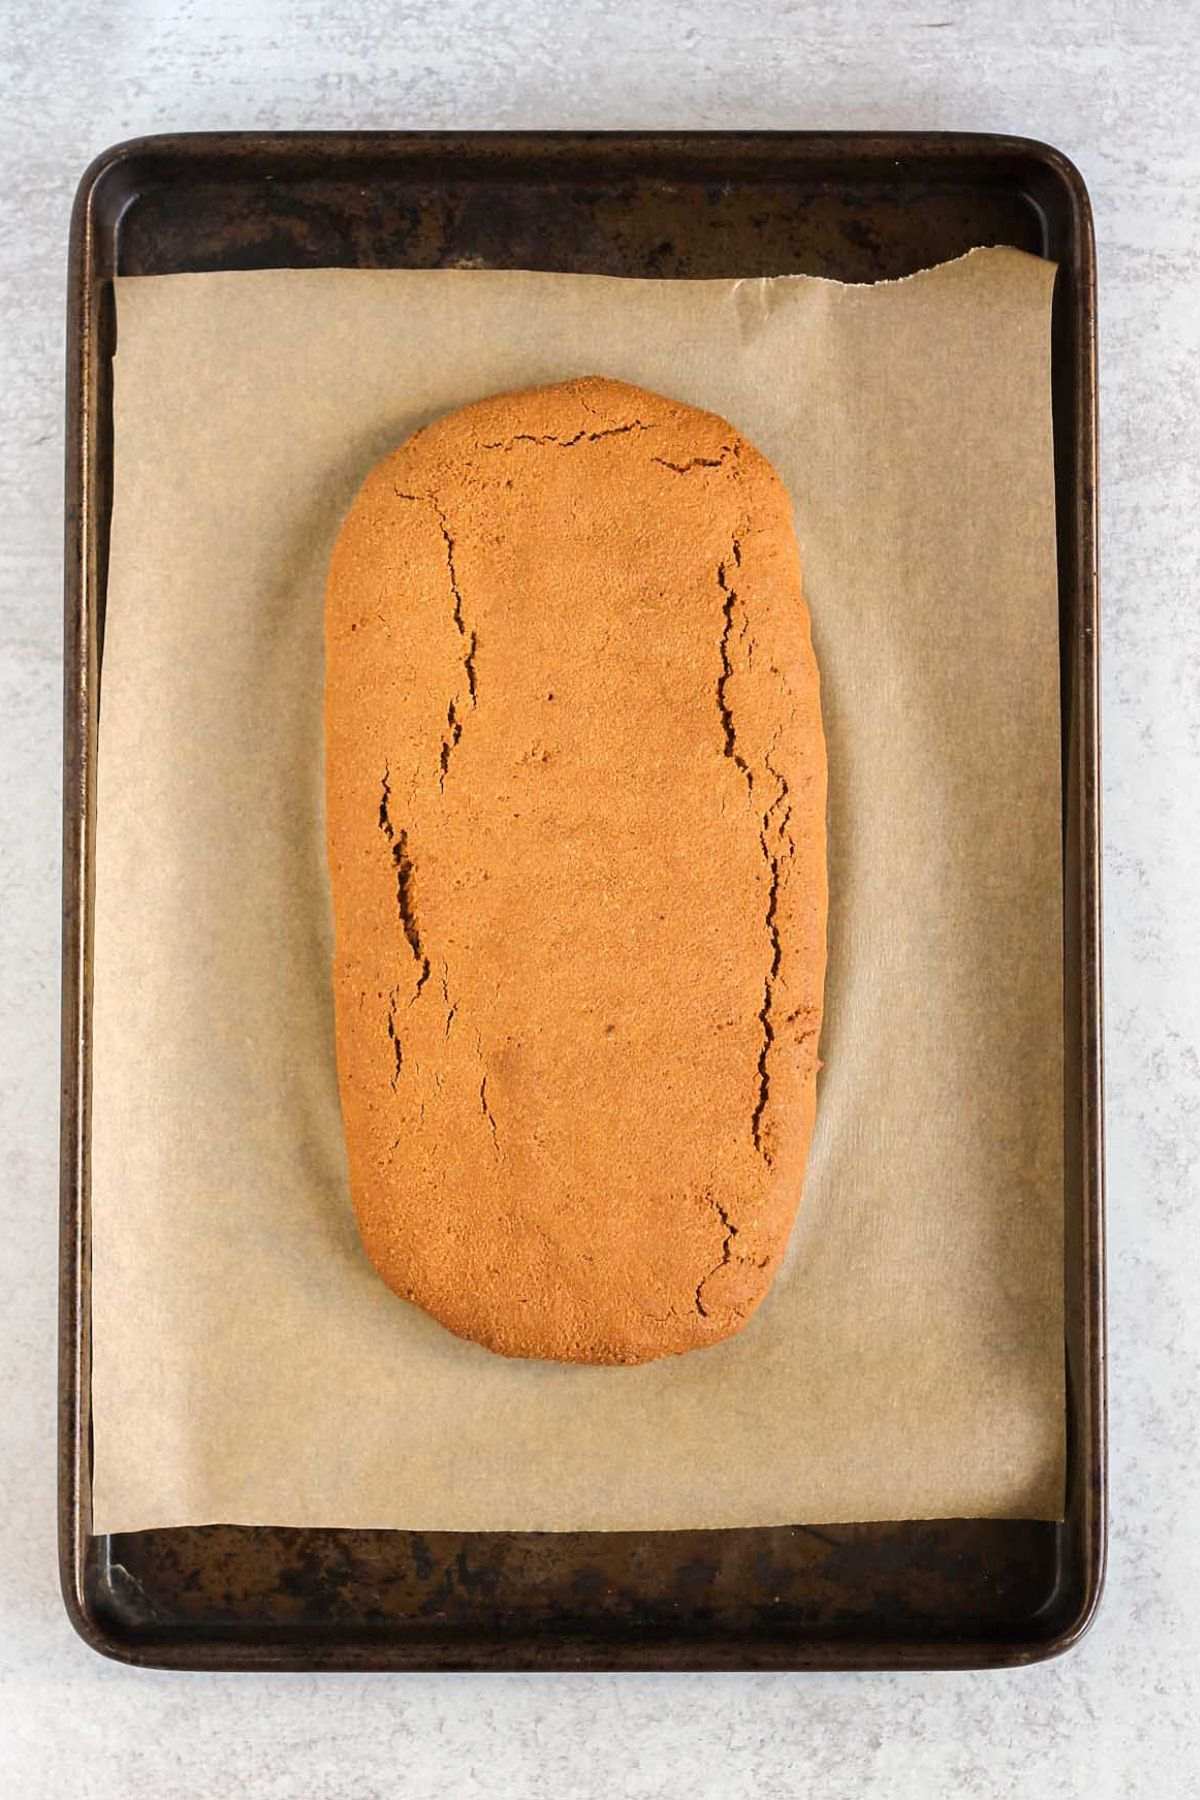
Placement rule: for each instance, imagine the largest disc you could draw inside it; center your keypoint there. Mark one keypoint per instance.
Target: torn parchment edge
(472, 266)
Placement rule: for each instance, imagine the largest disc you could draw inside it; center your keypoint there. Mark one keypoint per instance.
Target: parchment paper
(248, 1364)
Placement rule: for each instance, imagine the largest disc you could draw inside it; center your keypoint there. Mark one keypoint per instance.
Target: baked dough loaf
(576, 832)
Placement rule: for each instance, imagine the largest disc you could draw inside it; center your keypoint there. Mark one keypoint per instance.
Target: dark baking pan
(954, 1593)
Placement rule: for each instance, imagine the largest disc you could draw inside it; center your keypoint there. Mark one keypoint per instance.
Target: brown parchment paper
(248, 1365)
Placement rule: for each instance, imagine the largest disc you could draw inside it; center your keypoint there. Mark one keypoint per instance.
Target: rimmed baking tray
(952, 1593)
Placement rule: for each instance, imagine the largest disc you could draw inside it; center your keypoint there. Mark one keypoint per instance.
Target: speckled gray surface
(1115, 83)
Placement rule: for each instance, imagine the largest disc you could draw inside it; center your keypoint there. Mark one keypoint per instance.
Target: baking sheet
(247, 1364)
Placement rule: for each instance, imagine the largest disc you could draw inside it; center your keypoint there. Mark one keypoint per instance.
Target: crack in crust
(568, 443)
(731, 1232)
(776, 858)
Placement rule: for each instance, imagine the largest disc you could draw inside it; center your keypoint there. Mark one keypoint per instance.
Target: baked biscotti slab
(576, 835)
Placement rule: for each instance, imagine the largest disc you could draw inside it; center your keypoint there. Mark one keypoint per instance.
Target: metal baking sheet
(951, 1593)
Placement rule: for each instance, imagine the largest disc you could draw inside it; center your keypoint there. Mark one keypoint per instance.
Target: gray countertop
(1116, 84)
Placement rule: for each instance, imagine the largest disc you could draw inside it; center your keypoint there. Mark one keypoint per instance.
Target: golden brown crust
(576, 828)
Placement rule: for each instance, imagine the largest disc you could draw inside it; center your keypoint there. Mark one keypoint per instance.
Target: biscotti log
(576, 833)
